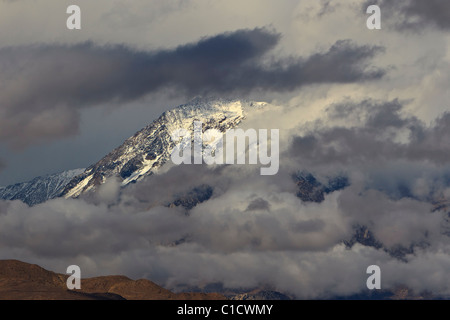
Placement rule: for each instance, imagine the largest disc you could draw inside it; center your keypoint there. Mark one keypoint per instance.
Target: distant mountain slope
(312, 190)
(39, 189)
(150, 148)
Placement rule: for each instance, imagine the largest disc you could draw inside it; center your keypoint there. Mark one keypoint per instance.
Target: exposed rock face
(261, 295)
(312, 190)
(190, 199)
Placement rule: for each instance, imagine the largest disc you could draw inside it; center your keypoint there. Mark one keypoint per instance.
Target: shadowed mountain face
(312, 190)
(23, 281)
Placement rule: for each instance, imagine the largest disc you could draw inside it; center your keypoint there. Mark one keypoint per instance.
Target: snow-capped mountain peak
(150, 148)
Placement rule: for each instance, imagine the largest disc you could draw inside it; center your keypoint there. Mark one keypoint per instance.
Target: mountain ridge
(39, 189)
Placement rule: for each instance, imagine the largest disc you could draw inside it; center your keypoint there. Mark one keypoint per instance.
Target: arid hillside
(24, 281)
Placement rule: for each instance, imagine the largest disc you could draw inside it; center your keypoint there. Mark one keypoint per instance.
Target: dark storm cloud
(415, 14)
(378, 139)
(295, 248)
(381, 147)
(45, 85)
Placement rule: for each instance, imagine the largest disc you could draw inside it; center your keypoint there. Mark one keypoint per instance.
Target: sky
(372, 105)
(95, 115)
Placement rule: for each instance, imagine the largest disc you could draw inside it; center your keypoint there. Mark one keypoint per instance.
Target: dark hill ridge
(24, 281)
